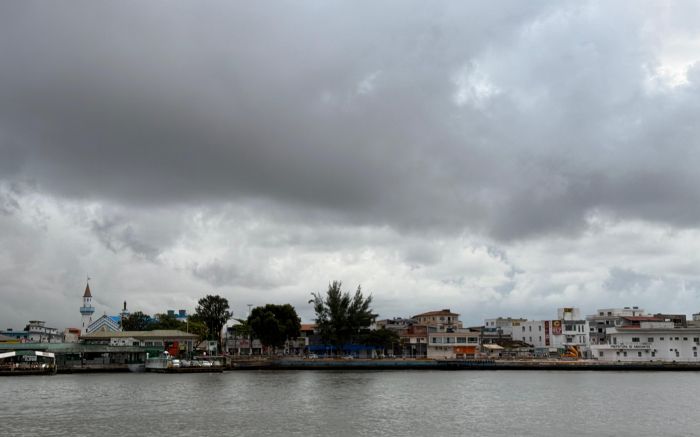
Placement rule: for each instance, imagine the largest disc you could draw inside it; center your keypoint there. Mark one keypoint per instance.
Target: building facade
(38, 332)
(607, 318)
(649, 340)
(568, 332)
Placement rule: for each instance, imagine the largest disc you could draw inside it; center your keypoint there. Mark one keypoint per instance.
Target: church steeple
(87, 310)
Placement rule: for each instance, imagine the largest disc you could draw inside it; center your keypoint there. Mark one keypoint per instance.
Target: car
(312, 356)
(207, 364)
(348, 357)
(176, 363)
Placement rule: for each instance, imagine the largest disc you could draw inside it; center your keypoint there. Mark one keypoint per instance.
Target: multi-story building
(649, 339)
(441, 335)
(567, 331)
(455, 343)
(38, 332)
(414, 341)
(607, 318)
(443, 319)
(500, 328)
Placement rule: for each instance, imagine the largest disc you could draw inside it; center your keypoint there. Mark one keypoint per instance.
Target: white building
(451, 343)
(38, 332)
(569, 329)
(502, 327)
(649, 340)
(607, 318)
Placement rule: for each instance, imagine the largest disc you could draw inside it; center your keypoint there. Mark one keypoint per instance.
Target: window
(540, 338)
(530, 328)
(639, 354)
(624, 353)
(695, 354)
(696, 339)
(685, 338)
(661, 339)
(635, 339)
(523, 331)
(650, 339)
(600, 353)
(530, 339)
(539, 328)
(461, 339)
(677, 354)
(653, 353)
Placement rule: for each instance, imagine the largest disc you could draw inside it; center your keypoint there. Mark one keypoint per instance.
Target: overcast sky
(496, 158)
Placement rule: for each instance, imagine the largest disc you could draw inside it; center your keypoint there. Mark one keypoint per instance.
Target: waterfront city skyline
(496, 159)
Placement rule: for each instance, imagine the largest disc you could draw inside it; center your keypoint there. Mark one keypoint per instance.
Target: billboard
(546, 332)
(556, 327)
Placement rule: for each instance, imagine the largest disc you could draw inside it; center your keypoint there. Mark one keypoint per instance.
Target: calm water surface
(321, 403)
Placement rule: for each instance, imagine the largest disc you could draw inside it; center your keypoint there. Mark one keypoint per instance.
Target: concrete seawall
(328, 364)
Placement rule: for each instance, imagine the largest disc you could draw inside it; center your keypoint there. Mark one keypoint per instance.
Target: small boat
(27, 362)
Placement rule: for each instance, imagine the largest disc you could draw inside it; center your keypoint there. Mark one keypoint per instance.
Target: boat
(27, 362)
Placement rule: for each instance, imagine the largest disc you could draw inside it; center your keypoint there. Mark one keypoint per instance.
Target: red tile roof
(308, 326)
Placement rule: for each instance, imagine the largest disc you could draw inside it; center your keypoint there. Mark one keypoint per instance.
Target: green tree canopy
(137, 321)
(274, 324)
(196, 326)
(213, 311)
(339, 316)
(381, 338)
(165, 321)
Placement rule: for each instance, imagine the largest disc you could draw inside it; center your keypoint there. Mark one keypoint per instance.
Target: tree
(214, 312)
(340, 317)
(381, 339)
(274, 324)
(196, 326)
(166, 321)
(137, 321)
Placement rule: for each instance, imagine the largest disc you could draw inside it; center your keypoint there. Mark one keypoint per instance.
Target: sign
(546, 332)
(556, 327)
(631, 346)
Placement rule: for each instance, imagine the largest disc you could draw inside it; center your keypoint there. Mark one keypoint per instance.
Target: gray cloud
(423, 150)
(359, 116)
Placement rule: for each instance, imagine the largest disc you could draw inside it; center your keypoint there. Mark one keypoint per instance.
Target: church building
(104, 323)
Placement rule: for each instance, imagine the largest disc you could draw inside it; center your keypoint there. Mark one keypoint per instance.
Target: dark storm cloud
(516, 119)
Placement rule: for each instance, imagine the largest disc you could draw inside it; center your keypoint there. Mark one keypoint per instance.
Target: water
(322, 403)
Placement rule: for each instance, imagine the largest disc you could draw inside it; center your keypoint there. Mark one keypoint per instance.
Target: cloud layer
(490, 158)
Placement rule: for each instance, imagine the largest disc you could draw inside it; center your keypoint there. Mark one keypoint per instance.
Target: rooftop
(445, 312)
(158, 333)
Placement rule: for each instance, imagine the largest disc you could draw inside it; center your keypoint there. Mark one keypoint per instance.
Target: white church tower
(86, 310)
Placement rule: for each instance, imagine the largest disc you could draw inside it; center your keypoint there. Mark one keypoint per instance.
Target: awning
(493, 347)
